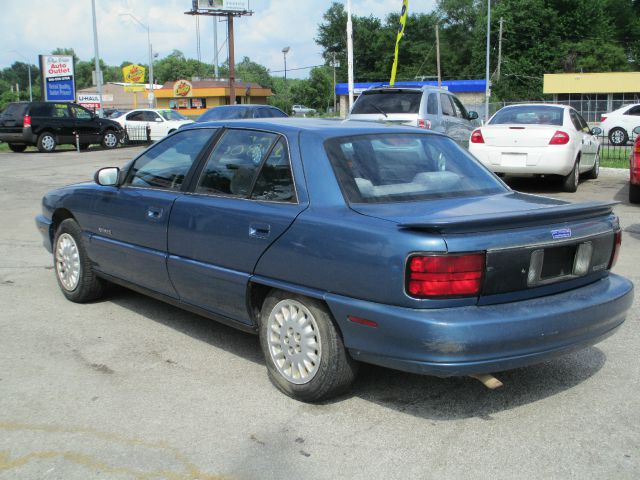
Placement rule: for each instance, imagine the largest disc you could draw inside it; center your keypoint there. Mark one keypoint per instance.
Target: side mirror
(636, 130)
(596, 131)
(472, 115)
(107, 177)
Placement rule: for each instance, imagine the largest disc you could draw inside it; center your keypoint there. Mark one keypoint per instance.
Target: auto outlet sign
(58, 83)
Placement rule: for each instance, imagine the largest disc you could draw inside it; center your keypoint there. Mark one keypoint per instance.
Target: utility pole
(215, 47)
(335, 100)
(499, 51)
(487, 91)
(350, 53)
(438, 55)
(232, 66)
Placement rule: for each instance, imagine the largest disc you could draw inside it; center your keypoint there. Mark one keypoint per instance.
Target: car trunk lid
(518, 135)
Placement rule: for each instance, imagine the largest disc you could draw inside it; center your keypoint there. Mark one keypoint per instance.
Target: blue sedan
(344, 243)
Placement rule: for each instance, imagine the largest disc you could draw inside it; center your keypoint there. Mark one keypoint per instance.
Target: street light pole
(97, 58)
(487, 91)
(285, 50)
(151, 95)
(29, 70)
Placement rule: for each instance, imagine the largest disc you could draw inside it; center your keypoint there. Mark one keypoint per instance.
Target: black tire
(618, 136)
(84, 146)
(570, 182)
(634, 193)
(47, 142)
(88, 286)
(14, 147)
(335, 370)
(595, 171)
(110, 139)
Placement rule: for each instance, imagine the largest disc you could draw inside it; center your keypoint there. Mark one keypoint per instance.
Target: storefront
(593, 94)
(192, 98)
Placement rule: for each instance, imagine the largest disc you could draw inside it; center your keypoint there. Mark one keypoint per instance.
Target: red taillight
(445, 275)
(422, 123)
(617, 242)
(476, 136)
(559, 138)
(26, 121)
(603, 118)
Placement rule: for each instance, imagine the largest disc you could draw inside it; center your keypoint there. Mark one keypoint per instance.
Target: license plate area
(554, 264)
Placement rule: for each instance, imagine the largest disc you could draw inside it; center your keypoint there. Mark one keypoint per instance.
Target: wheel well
(59, 216)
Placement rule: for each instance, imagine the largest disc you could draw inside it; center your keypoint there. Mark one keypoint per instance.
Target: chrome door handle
(259, 230)
(154, 213)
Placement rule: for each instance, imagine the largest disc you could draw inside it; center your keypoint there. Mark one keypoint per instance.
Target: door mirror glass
(472, 115)
(107, 177)
(636, 130)
(596, 131)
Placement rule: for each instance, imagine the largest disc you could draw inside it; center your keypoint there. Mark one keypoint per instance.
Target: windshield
(397, 167)
(388, 101)
(172, 115)
(529, 114)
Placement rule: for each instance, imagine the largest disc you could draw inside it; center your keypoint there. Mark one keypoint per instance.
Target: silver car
(425, 107)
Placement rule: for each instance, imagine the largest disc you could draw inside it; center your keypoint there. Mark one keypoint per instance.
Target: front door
(243, 201)
(85, 125)
(129, 229)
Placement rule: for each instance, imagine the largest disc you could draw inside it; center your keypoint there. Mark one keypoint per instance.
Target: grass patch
(615, 157)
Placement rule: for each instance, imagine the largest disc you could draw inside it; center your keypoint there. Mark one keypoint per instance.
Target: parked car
(161, 122)
(341, 243)
(619, 124)
(302, 111)
(634, 169)
(232, 112)
(49, 124)
(425, 107)
(526, 140)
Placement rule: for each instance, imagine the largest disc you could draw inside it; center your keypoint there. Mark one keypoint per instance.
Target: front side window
(167, 163)
(152, 117)
(394, 167)
(234, 162)
(447, 108)
(461, 111)
(171, 115)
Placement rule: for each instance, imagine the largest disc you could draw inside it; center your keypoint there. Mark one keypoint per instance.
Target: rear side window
(529, 114)
(275, 182)
(392, 101)
(136, 117)
(389, 168)
(634, 111)
(61, 110)
(224, 114)
(269, 113)
(432, 104)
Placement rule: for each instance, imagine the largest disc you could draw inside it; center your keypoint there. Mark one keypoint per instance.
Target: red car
(634, 170)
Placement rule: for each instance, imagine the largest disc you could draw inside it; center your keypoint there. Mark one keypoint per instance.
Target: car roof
(245, 105)
(566, 107)
(323, 127)
(408, 88)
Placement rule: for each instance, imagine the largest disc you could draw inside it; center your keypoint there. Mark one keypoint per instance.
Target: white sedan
(538, 139)
(619, 124)
(160, 122)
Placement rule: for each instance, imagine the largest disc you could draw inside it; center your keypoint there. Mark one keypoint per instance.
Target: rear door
(136, 125)
(587, 142)
(243, 200)
(61, 123)
(129, 225)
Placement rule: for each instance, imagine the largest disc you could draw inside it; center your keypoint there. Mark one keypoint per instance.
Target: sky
(33, 27)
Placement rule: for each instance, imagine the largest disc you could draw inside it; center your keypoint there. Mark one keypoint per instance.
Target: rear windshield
(529, 114)
(394, 167)
(392, 101)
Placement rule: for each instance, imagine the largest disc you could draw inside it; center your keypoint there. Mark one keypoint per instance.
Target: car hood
(493, 212)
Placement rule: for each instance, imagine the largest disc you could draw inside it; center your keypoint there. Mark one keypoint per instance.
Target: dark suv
(48, 124)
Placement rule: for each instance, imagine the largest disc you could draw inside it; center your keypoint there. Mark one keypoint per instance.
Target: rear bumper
(557, 160)
(24, 137)
(483, 339)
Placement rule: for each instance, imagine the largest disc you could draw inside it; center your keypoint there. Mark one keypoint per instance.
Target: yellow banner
(135, 88)
(133, 73)
(403, 22)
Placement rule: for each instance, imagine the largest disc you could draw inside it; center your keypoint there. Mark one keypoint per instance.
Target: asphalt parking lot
(131, 388)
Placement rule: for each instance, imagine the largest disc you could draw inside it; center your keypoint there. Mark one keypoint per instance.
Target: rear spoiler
(496, 221)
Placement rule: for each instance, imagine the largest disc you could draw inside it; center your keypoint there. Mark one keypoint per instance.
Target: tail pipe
(488, 380)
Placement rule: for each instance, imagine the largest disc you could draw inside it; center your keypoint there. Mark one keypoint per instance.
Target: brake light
(617, 243)
(431, 276)
(559, 138)
(422, 123)
(26, 121)
(476, 136)
(603, 118)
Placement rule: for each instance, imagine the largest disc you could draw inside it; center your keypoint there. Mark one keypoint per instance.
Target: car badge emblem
(561, 233)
